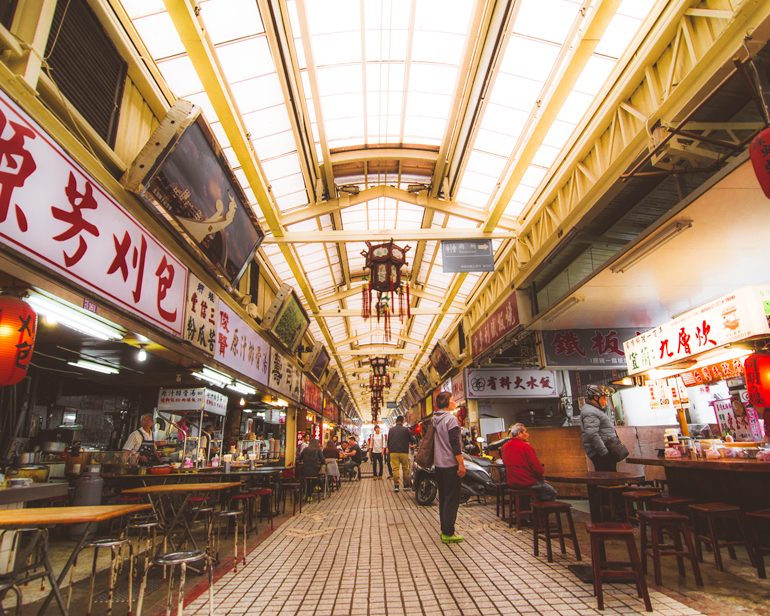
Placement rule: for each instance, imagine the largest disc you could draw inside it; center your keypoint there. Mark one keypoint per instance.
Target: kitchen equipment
(88, 491)
(118, 462)
(37, 473)
(54, 447)
(32, 457)
(18, 482)
(160, 470)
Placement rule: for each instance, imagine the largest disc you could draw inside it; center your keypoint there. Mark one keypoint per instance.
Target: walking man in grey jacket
(449, 465)
(597, 429)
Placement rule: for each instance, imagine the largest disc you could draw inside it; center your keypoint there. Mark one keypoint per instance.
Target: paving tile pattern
(368, 551)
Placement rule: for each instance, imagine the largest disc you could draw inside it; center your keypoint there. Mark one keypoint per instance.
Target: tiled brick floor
(366, 550)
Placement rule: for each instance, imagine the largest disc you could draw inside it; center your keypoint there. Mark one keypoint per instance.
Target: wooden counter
(739, 482)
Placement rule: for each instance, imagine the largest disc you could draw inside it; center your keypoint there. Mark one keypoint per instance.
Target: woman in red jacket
(522, 466)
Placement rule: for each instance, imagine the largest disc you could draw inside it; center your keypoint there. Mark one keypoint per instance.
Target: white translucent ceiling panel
(159, 35)
(549, 20)
(227, 20)
(180, 76)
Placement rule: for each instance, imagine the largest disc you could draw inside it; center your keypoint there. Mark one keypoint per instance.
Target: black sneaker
(396, 490)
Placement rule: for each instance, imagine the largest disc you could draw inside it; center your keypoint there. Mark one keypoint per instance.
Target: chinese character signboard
(192, 399)
(458, 388)
(728, 319)
(285, 377)
(733, 419)
(201, 315)
(510, 383)
(313, 397)
(54, 213)
(577, 348)
(240, 347)
(715, 372)
(496, 326)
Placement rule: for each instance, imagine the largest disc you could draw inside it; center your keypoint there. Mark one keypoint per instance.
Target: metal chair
(171, 560)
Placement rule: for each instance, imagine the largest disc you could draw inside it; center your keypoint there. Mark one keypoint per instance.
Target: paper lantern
(757, 369)
(18, 325)
(760, 159)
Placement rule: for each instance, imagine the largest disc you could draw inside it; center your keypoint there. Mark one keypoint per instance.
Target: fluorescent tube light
(89, 365)
(242, 388)
(212, 376)
(631, 258)
(73, 319)
(568, 305)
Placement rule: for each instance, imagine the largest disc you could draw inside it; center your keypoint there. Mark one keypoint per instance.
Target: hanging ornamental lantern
(760, 159)
(384, 262)
(18, 326)
(757, 374)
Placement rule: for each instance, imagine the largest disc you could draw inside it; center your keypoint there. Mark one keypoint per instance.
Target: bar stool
(249, 504)
(541, 513)
(677, 504)
(515, 496)
(264, 494)
(675, 523)
(147, 528)
(170, 560)
(235, 516)
(5, 586)
(602, 532)
(638, 500)
(124, 500)
(115, 546)
(611, 502)
(208, 526)
(760, 519)
(710, 513)
(295, 488)
(497, 472)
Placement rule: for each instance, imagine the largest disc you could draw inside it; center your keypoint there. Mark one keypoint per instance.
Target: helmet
(596, 391)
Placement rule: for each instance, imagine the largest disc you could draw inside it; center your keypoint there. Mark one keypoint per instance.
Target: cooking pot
(53, 447)
(37, 473)
(29, 458)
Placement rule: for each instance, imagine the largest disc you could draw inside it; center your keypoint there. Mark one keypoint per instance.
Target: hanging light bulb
(141, 354)
(242, 402)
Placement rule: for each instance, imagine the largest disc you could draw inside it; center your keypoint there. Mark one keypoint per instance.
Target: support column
(291, 436)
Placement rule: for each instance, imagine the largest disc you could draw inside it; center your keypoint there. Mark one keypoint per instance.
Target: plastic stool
(235, 515)
(760, 519)
(170, 560)
(541, 514)
(711, 512)
(615, 531)
(676, 523)
(115, 546)
(515, 506)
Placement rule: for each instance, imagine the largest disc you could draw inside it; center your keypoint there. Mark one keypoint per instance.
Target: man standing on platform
(449, 464)
(399, 439)
(522, 467)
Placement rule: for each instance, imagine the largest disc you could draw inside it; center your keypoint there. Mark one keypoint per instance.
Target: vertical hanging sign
(201, 315)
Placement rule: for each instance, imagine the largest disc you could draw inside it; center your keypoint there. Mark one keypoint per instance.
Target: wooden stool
(661, 484)
(541, 513)
(638, 500)
(710, 513)
(295, 488)
(614, 531)
(515, 505)
(676, 523)
(759, 520)
(678, 504)
(611, 502)
(264, 494)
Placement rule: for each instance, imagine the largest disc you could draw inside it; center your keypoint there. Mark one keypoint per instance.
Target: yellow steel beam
(383, 235)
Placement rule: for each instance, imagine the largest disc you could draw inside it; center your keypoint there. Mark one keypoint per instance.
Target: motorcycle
(477, 481)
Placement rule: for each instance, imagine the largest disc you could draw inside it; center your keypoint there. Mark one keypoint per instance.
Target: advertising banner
(201, 315)
(510, 383)
(458, 388)
(594, 348)
(497, 326)
(240, 347)
(192, 399)
(57, 215)
(285, 378)
(313, 396)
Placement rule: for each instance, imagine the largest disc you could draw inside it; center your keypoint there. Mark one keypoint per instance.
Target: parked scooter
(477, 481)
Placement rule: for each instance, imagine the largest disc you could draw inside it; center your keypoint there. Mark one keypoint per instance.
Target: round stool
(638, 500)
(148, 529)
(171, 560)
(249, 505)
(115, 546)
(208, 525)
(235, 516)
(264, 494)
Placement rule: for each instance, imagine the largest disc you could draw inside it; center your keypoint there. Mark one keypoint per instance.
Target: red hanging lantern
(760, 159)
(384, 262)
(757, 374)
(18, 326)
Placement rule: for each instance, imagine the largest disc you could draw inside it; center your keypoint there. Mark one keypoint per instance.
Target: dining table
(592, 481)
(171, 501)
(41, 519)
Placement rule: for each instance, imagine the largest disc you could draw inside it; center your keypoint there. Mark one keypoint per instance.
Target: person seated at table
(312, 459)
(354, 456)
(331, 451)
(142, 442)
(336, 442)
(522, 467)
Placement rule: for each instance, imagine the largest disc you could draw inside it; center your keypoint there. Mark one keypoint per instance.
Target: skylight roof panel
(479, 182)
(349, 128)
(636, 8)
(159, 35)
(545, 156)
(275, 145)
(559, 134)
(427, 104)
(291, 200)
(495, 143)
(202, 100)
(514, 208)
(472, 198)
(232, 159)
(227, 20)
(540, 58)
(426, 130)
(142, 8)
(337, 48)
(219, 132)
(339, 79)
(533, 175)
(438, 47)
(282, 167)
(346, 16)
(517, 92)
(619, 33)
(241, 175)
(504, 119)
(456, 222)
(265, 122)
(180, 76)
(523, 193)
(549, 20)
(594, 74)
(258, 93)
(575, 107)
(435, 78)
(245, 59)
(341, 106)
(486, 164)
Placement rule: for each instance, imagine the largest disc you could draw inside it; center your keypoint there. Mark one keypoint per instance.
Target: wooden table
(44, 517)
(168, 493)
(745, 483)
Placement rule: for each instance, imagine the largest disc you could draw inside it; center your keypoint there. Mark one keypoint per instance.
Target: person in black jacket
(312, 459)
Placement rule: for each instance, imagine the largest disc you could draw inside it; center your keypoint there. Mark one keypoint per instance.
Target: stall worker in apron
(142, 442)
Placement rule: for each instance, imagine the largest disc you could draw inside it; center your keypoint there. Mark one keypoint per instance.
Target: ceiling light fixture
(636, 254)
(141, 355)
(73, 319)
(564, 307)
(241, 388)
(213, 377)
(89, 365)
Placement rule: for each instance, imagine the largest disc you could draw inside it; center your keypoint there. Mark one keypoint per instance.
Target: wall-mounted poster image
(183, 173)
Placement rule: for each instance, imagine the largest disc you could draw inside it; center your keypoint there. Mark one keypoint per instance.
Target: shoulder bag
(617, 450)
(424, 457)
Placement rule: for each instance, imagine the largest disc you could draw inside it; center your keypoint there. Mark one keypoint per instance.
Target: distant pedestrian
(449, 464)
(399, 439)
(377, 444)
